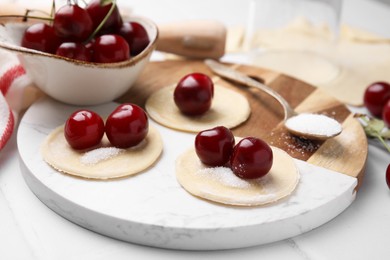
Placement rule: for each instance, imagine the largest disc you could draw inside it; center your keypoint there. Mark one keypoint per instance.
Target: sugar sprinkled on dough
(226, 176)
(100, 154)
(219, 184)
(314, 124)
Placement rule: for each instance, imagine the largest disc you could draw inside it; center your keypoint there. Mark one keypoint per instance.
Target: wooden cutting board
(346, 153)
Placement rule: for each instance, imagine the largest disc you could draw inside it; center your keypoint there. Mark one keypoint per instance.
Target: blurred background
(358, 13)
(384, 1)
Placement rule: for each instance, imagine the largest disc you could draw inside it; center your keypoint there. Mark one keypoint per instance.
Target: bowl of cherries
(82, 55)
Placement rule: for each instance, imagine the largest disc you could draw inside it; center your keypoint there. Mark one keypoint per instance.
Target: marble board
(152, 209)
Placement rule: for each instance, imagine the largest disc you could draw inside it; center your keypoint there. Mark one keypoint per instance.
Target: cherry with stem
(50, 19)
(104, 20)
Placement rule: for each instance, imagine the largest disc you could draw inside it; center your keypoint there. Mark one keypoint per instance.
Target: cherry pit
(250, 158)
(94, 33)
(125, 127)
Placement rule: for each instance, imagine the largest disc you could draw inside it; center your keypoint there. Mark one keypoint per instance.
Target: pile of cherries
(95, 33)
(125, 127)
(250, 158)
(377, 102)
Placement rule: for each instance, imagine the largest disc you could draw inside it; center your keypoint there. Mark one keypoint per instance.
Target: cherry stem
(113, 4)
(27, 17)
(53, 10)
(383, 142)
(36, 11)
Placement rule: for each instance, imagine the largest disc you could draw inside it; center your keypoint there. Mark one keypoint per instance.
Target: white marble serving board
(152, 209)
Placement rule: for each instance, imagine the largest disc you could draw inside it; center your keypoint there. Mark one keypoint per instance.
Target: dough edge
(153, 145)
(229, 108)
(185, 177)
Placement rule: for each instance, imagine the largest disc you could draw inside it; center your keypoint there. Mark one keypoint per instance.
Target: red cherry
(193, 94)
(214, 146)
(84, 129)
(76, 51)
(110, 48)
(127, 126)
(252, 158)
(40, 37)
(386, 113)
(375, 97)
(89, 47)
(98, 12)
(136, 36)
(388, 176)
(73, 23)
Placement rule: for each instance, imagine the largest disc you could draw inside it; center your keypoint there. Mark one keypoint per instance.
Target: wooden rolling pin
(192, 39)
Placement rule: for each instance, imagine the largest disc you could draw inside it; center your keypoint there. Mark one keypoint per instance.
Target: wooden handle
(193, 39)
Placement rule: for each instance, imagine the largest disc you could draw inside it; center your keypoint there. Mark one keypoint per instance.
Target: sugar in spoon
(306, 125)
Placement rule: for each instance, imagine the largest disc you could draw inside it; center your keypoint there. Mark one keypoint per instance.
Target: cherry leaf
(375, 128)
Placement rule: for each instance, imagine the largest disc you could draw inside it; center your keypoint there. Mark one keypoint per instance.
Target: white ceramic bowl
(77, 82)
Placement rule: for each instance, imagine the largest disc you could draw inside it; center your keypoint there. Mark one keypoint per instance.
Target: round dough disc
(125, 162)
(221, 185)
(229, 108)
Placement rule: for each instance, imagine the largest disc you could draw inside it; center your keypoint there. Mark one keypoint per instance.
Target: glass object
(294, 37)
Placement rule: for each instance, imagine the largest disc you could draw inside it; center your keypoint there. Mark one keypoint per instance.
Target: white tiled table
(29, 230)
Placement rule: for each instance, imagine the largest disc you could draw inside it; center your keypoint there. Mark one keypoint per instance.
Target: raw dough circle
(57, 153)
(221, 185)
(229, 108)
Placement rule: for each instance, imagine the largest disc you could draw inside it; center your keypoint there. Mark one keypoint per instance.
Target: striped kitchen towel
(15, 94)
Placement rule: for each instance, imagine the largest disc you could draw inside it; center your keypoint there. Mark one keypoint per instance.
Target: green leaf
(386, 134)
(375, 128)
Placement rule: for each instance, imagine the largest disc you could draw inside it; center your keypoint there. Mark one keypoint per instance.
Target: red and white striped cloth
(13, 81)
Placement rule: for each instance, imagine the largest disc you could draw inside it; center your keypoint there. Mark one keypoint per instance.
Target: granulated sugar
(314, 124)
(224, 175)
(100, 154)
